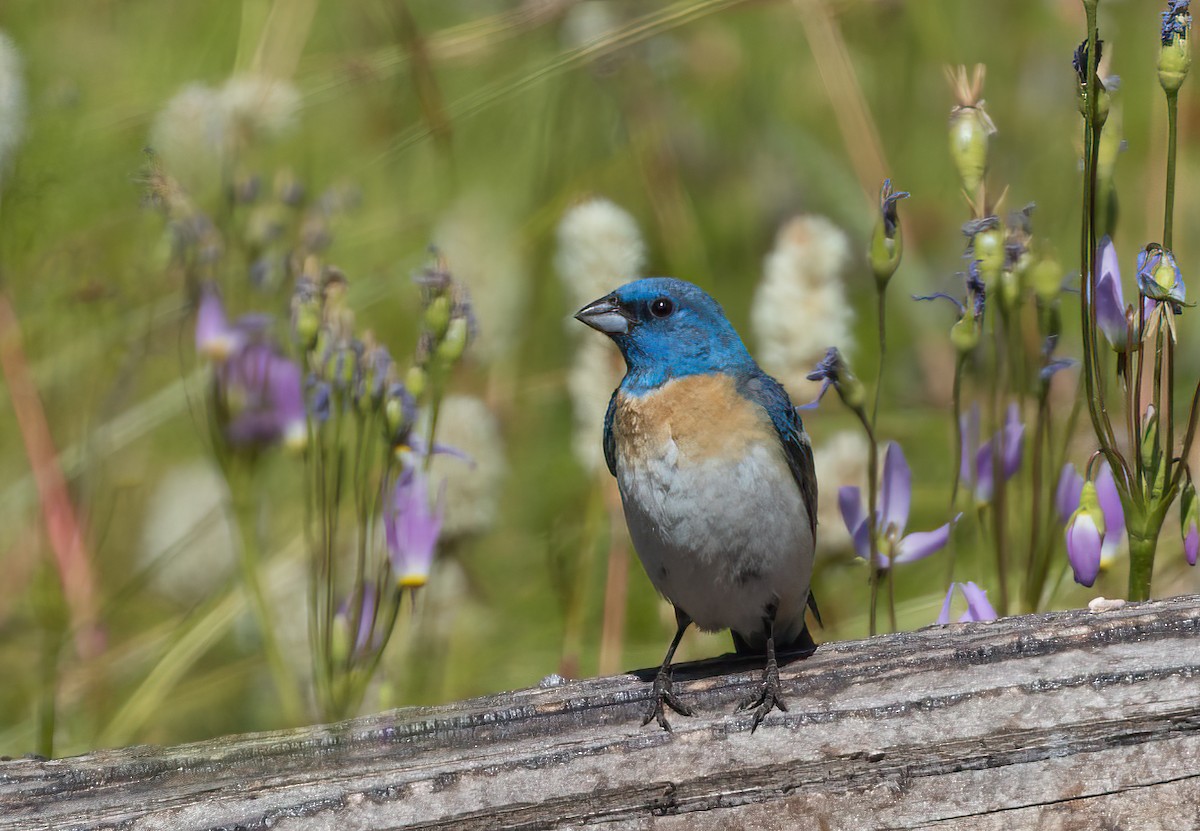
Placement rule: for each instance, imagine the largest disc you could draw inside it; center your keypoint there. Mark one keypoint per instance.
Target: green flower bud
(1151, 453)
(437, 316)
(970, 129)
(1148, 442)
(964, 335)
(989, 251)
(308, 324)
(415, 381)
(455, 342)
(1189, 521)
(887, 245)
(851, 390)
(1175, 54)
(1046, 278)
(1010, 289)
(884, 254)
(1089, 503)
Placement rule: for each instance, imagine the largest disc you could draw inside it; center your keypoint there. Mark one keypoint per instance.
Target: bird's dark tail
(803, 644)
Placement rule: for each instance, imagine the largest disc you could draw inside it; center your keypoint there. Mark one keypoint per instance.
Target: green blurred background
(710, 122)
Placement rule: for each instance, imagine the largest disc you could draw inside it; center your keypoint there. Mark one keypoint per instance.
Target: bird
(716, 478)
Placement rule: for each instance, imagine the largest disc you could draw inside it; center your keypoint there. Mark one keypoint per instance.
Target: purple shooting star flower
(261, 397)
(976, 465)
(894, 547)
(1158, 276)
(412, 524)
(215, 338)
(1110, 300)
(1189, 520)
(1068, 500)
(1085, 537)
(978, 607)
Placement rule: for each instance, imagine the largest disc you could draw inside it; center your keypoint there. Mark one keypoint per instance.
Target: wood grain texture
(1069, 720)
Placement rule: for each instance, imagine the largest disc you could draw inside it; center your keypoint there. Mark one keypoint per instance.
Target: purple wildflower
(1067, 501)
(1189, 520)
(976, 465)
(1158, 276)
(1085, 537)
(366, 639)
(412, 524)
(891, 518)
(261, 397)
(215, 339)
(1110, 300)
(978, 607)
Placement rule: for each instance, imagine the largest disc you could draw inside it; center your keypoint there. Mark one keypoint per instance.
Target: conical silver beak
(605, 315)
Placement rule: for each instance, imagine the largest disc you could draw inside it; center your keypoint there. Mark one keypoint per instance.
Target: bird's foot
(769, 696)
(662, 695)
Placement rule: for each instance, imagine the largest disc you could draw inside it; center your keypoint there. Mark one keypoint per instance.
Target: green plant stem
(245, 510)
(891, 581)
(1169, 199)
(881, 316)
(1003, 375)
(1037, 471)
(872, 481)
(956, 402)
(1142, 545)
(1097, 409)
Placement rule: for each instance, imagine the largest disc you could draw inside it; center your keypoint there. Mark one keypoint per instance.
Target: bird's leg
(770, 695)
(662, 682)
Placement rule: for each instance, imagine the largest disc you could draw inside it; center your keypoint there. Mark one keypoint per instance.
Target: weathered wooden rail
(1071, 720)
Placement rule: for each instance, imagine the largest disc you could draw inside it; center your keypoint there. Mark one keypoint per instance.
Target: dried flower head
(259, 107)
(800, 306)
(842, 460)
(191, 136)
(599, 249)
(970, 126)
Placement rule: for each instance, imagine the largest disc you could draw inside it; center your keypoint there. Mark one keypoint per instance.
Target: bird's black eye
(661, 306)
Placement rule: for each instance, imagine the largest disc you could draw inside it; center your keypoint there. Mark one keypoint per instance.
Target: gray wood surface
(1072, 720)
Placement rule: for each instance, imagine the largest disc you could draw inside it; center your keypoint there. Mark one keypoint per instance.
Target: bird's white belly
(722, 538)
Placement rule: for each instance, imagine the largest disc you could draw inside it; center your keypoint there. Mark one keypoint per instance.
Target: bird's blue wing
(610, 444)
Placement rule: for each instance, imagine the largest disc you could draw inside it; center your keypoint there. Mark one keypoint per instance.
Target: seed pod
(970, 129)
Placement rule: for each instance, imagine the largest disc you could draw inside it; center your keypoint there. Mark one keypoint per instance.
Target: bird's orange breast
(702, 416)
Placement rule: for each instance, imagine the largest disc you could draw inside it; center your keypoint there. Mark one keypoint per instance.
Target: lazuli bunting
(716, 477)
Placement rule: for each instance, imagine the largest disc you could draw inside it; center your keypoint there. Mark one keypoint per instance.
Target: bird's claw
(660, 695)
(768, 698)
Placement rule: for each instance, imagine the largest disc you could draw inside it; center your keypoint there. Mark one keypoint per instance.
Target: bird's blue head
(667, 329)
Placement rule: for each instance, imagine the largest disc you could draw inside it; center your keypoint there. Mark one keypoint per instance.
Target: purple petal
(897, 491)
(1066, 495)
(412, 526)
(1084, 541)
(921, 544)
(812, 405)
(944, 617)
(1013, 441)
(1191, 545)
(862, 546)
(1110, 301)
(969, 425)
(214, 338)
(1110, 503)
(978, 607)
(984, 481)
(851, 506)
